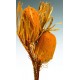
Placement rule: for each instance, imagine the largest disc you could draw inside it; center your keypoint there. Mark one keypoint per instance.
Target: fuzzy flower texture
(33, 30)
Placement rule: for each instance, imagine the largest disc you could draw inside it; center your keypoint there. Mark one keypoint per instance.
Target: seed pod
(30, 25)
(46, 46)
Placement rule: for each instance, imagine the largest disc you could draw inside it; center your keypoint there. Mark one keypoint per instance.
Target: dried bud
(29, 27)
(45, 47)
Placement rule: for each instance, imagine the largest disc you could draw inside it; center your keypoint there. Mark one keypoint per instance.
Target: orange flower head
(29, 25)
(45, 47)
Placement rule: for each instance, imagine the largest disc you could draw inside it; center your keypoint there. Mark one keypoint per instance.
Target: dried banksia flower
(29, 26)
(45, 47)
(35, 37)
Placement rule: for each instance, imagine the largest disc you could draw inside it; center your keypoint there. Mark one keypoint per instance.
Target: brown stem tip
(36, 67)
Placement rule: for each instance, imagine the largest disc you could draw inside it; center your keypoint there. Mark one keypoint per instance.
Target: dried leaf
(45, 10)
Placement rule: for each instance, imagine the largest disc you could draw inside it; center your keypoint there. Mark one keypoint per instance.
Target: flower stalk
(35, 35)
(36, 67)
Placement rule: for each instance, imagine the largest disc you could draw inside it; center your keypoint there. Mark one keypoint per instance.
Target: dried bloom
(35, 37)
(45, 47)
(29, 26)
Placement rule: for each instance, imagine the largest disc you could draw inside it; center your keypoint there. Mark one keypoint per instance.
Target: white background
(71, 45)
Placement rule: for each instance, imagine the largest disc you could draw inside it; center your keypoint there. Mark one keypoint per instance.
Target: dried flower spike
(45, 47)
(29, 26)
(35, 37)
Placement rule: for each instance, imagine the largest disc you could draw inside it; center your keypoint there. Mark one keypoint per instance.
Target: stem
(36, 67)
(36, 63)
